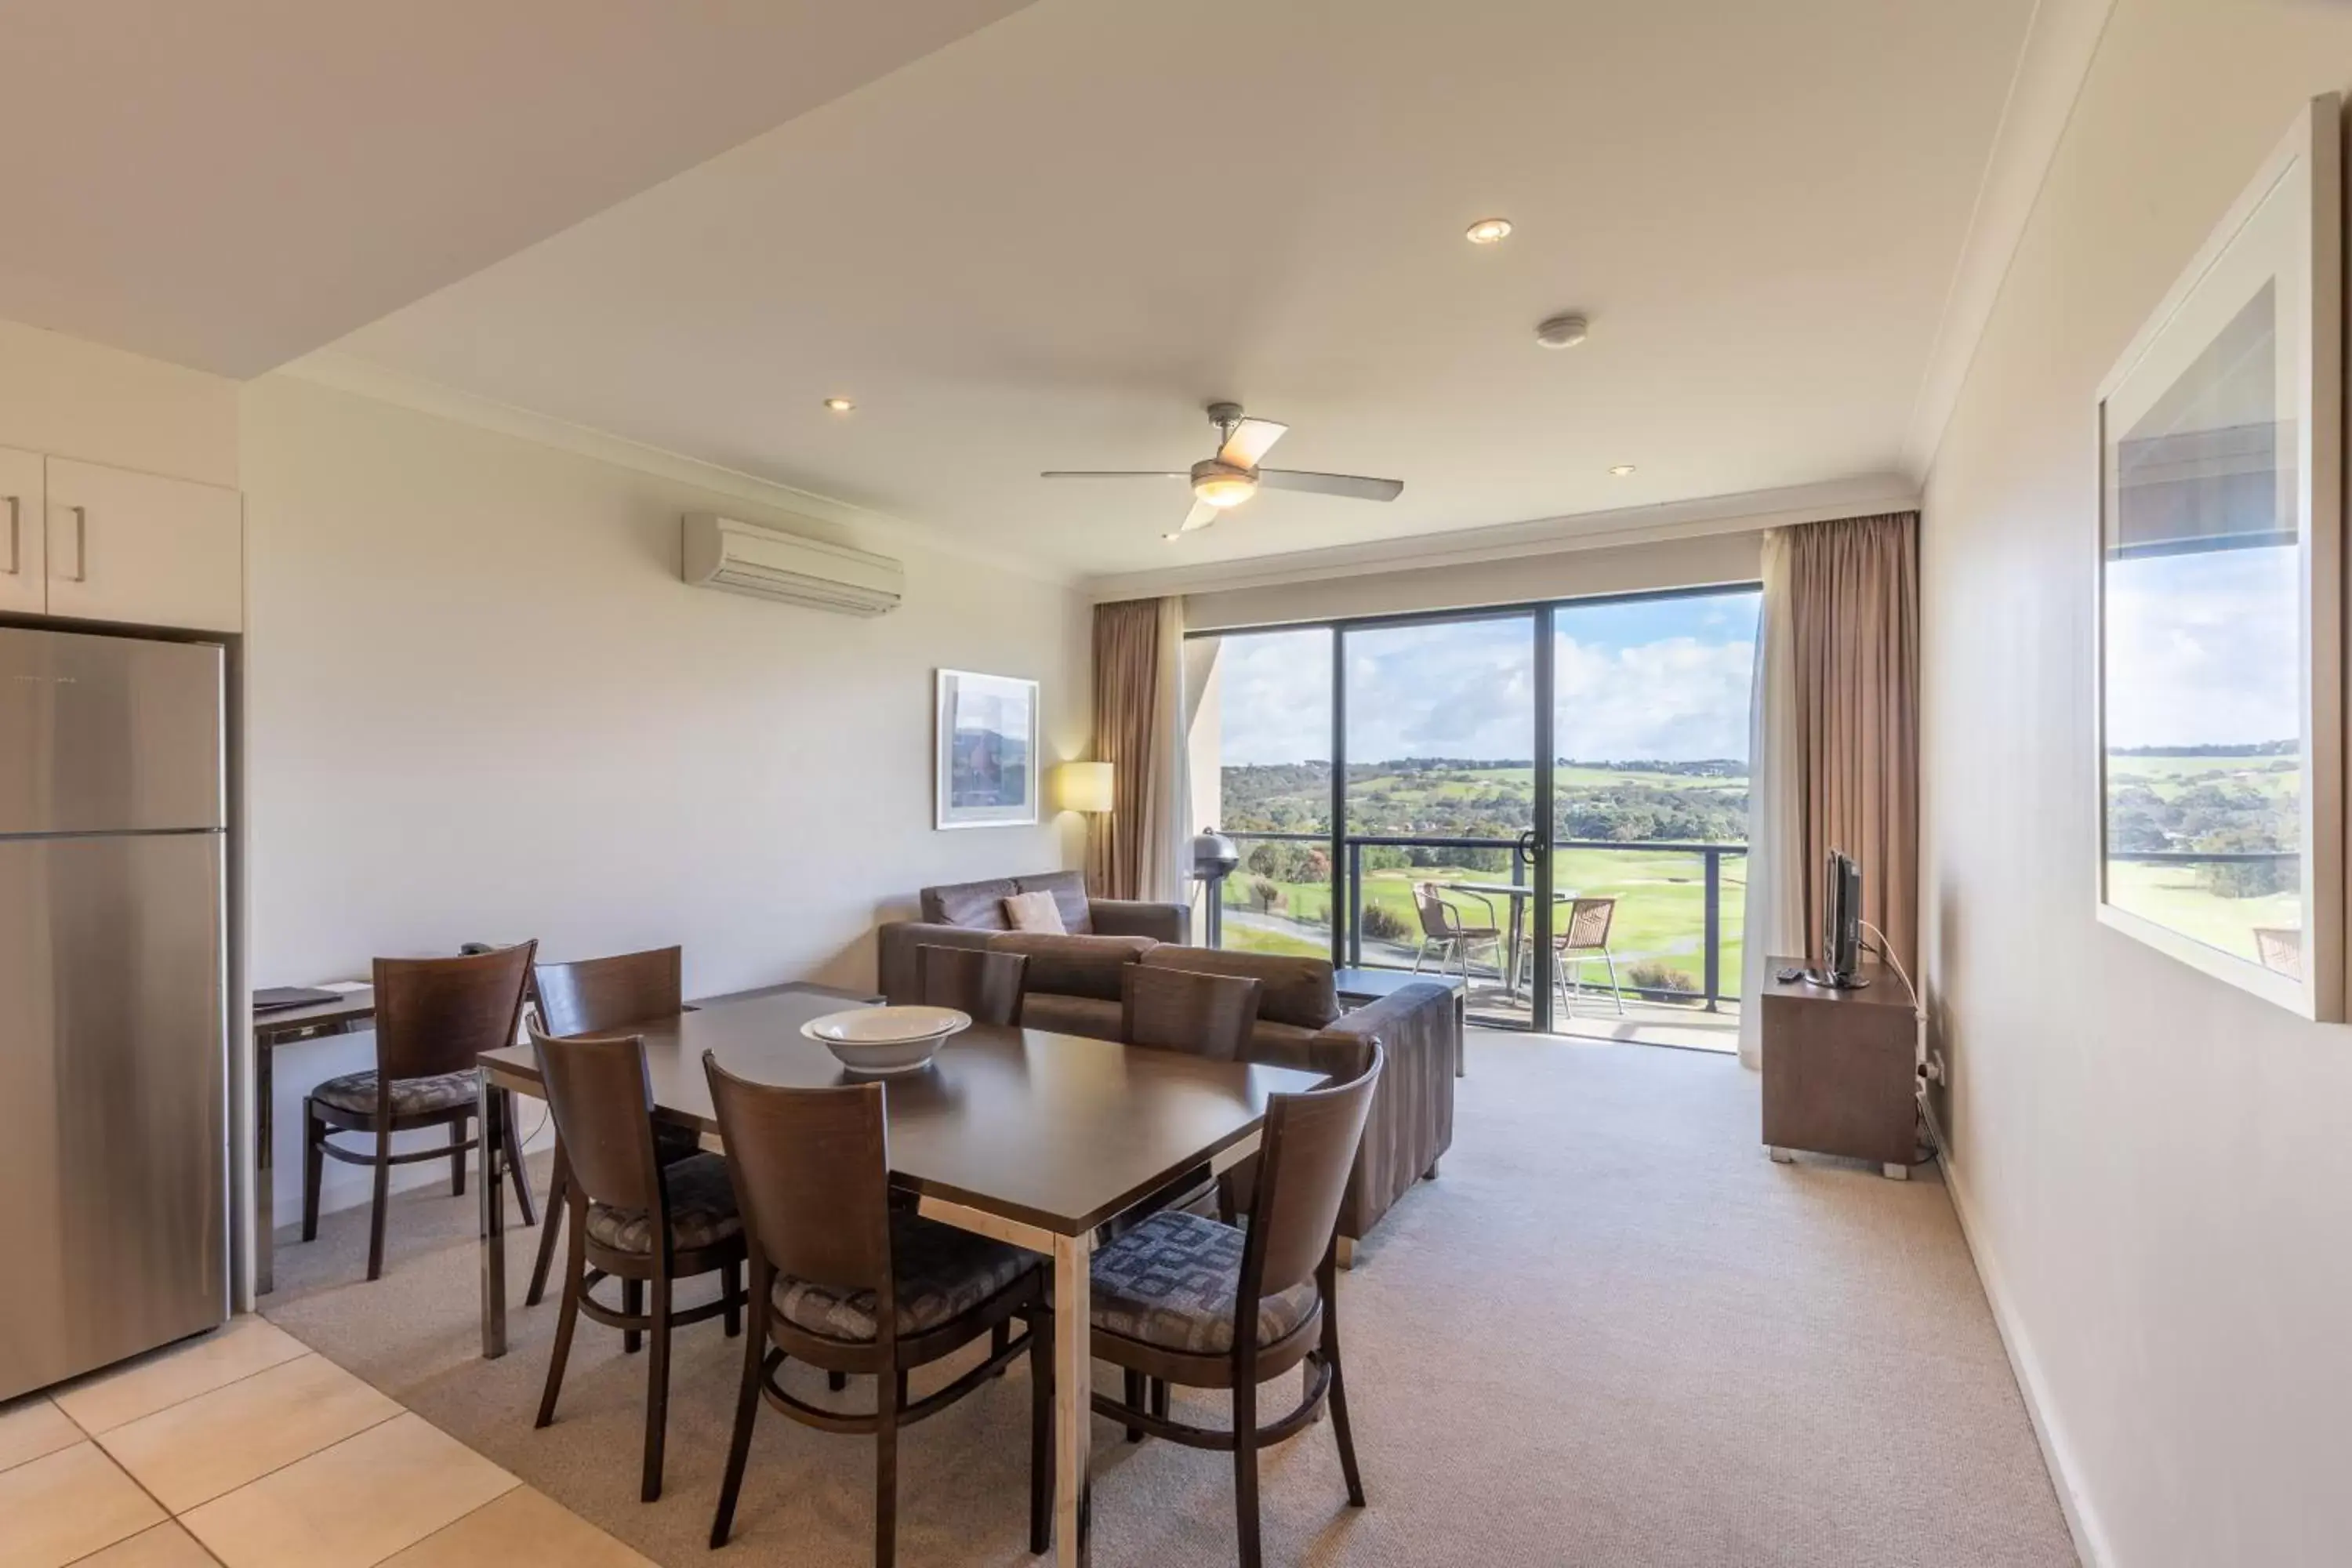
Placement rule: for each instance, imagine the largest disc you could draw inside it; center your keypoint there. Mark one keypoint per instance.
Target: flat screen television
(1841, 965)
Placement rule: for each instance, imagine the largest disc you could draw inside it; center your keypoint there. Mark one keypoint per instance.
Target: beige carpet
(1611, 1333)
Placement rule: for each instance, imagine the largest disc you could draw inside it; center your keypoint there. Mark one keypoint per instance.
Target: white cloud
(2202, 648)
(1467, 689)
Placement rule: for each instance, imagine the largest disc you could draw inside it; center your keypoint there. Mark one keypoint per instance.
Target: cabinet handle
(16, 536)
(81, 543)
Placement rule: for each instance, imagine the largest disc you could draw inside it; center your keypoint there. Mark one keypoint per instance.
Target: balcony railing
(1711, 858)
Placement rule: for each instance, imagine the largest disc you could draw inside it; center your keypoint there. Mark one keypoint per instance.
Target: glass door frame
(1537, 844)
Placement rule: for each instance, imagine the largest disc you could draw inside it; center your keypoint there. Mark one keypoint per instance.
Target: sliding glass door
(1547, 800)
(1438, 795)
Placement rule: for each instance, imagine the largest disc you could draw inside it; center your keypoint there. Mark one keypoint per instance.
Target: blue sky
(1637, 679)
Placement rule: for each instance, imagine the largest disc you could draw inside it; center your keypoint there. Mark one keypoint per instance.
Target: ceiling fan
(1233, 476)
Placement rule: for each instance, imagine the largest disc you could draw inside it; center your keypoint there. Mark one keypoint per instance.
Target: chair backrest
(972, 979)
(1304, 1161)
(604, 1108)
(435, 1015)
(812, 1175)
(1437, 917)
(1588, 922)
(598, 995)
(1177, 1010)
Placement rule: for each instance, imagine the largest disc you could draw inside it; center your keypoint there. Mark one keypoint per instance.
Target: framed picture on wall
(2220, 640)
(987, 749)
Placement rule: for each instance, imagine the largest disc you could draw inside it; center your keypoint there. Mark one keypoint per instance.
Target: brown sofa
(1073, 988)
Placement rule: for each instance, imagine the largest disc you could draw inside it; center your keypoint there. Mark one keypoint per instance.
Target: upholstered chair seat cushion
(701, 1211)
(355, 1092)
(941, 1273)
(1171, 1282)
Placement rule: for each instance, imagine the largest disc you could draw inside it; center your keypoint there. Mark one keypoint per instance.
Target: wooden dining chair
(1184, 1300)
(601, 997)
(633, 1219)
(843, 1281)
(1207, 1015)
(972, 980)
(434, 1018)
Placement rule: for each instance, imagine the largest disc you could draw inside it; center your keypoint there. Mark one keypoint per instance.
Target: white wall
(73, 399)
(481, 706)
(1730, 556)
(2149, 1161)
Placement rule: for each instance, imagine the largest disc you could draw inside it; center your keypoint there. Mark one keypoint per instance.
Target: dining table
(1026, 1136)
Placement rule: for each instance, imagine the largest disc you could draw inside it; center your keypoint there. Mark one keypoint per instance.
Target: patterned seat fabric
(1171, 1282)
(701, 1211)
(941, 1273)
(355, 1092)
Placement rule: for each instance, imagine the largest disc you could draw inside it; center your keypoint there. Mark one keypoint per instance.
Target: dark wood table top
(282, 1024)
(1053, 1131)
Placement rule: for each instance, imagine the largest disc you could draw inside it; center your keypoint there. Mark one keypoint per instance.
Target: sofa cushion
(980, 905)
(1281, 1044)
(1034, 912)
(1069, 891)
(1073, 965)
(1290, 990)
(1088, 1016)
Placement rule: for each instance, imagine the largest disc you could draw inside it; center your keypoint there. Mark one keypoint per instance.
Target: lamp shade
(1083, 787)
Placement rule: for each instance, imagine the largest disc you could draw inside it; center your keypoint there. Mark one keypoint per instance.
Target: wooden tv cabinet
(1841, 1073)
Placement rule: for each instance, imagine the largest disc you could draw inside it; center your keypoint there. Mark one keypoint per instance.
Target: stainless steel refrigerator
(113, 1000)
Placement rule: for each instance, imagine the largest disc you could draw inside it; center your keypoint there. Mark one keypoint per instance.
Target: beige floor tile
(195, 1451)
(66, 1505)
(352, 1505)
(32, 1427)
(108, 1399)
(166, 1546)
(524, 1528)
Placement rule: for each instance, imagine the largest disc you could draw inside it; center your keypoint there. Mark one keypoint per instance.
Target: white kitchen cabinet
(141, 548)
(23, 577)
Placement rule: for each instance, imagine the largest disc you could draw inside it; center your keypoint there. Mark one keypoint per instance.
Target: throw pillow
(1034, 911)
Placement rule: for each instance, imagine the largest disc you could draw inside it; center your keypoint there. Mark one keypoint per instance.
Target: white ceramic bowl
(880, 1041)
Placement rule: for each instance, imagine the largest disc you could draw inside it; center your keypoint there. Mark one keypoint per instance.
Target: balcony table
(1032, 1138)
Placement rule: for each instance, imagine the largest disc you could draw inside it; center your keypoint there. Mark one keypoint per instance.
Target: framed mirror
(2219, 692)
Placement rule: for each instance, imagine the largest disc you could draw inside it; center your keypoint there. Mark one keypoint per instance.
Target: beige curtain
(1136, 849)
(1853, 622)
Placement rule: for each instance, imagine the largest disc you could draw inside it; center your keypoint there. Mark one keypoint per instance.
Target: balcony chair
(1441, 927)
(1586, 939)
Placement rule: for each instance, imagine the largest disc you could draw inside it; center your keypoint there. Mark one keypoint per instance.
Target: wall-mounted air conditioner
(746, 558)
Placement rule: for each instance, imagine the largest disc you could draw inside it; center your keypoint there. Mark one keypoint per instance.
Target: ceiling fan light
(1225, 490)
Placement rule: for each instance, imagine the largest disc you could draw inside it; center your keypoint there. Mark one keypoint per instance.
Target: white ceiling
(1048, 245)
(231, 183)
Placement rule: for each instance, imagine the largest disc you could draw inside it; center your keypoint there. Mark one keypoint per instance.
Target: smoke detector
(1562, 331)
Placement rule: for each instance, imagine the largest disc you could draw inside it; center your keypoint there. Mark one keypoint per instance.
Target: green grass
(2172, 897)
(1661, 905)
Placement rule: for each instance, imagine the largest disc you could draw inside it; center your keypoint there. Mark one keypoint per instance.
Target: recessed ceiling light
(840, 404)
(1171, 538)
(1488, 230)
(1622, 470)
